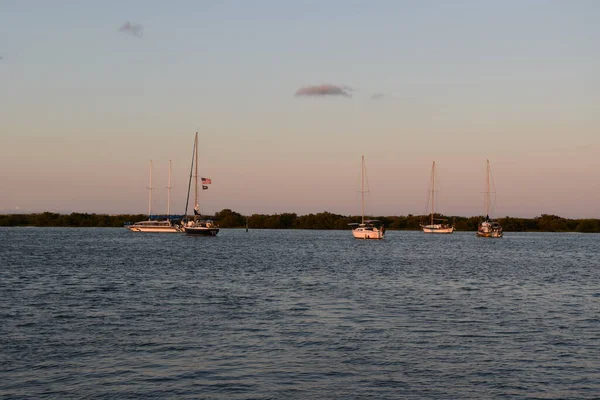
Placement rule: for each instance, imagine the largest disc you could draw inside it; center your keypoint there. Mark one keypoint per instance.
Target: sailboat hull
(360, 233)
(437, 228)
(154, 230)
(154, 226)
(489, 234)
(201, 231)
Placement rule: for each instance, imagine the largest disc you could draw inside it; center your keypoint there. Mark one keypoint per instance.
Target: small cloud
(17, 208)
(132, 29)
(324, 90)
(377, 96)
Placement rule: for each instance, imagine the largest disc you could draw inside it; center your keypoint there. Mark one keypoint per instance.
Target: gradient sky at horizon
(84, 105)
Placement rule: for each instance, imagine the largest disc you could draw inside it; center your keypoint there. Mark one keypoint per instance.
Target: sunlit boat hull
(154, 226)
(437, 228)
(361, 233)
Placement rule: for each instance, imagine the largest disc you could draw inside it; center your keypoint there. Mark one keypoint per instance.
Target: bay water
(272, 314)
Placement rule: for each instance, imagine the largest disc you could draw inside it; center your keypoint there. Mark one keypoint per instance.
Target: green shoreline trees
(325, 220)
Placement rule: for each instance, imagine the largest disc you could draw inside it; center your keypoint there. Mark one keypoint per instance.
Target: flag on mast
(206, 181)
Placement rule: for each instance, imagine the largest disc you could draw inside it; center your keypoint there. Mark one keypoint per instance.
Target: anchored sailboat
(367, 229)
(154, 225)
(204, 226)
(489, 228)
(433, 227)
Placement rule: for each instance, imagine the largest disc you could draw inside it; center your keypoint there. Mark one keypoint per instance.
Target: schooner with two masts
(155, 225)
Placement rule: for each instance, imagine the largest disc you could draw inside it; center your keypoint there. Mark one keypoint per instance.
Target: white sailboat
(153, 225)
(367, 229)
(433, 227)
(202, 226)
(489, 228)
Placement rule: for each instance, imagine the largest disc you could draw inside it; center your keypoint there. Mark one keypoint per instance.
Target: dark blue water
(298, 314)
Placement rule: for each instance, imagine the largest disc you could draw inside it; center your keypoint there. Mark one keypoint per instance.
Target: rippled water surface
(298, 314)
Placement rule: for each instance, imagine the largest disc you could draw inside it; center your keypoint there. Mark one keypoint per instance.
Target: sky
(287, 97)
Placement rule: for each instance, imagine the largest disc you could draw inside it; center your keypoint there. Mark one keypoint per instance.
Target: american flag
(206, 181)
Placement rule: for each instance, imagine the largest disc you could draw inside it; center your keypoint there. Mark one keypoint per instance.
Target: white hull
(154, 226)
(437, 229)
(362, 233)
(170, 229)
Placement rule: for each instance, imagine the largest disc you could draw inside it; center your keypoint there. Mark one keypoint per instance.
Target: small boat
(489, 228)
(368, 229)
(440, 226)
(199, 225)
(371, 228)
(153, 225)
(203, 226)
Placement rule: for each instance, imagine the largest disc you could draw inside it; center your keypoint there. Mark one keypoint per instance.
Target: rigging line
(429, 193)
(368, 191)
(493, 203)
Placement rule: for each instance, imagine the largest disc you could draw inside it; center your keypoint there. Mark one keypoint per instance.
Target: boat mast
(432, 191)
(362, 190)
(487, 190)
(196, 173)
(187, 198)
(169, 192)
(150, 193)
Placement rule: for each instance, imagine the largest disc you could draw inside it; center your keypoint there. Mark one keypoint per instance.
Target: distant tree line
(325, 220)
(69, 220)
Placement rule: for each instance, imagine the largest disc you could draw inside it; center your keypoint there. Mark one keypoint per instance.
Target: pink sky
(85, 105)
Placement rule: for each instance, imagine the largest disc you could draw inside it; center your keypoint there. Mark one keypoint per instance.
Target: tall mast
(169, 192)
(187, 197)
(432, 191)
(487, 190)
(196, 173)
(150, 193)
(362, 189)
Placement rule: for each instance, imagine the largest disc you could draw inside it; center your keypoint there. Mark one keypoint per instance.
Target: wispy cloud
(132, 29)
(377, 96)
(324, 90)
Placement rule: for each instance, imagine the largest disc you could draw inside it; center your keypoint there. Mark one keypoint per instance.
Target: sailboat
(154, 225)
(434, 227)
(202, 226)
(489, 228)
(367, 229)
